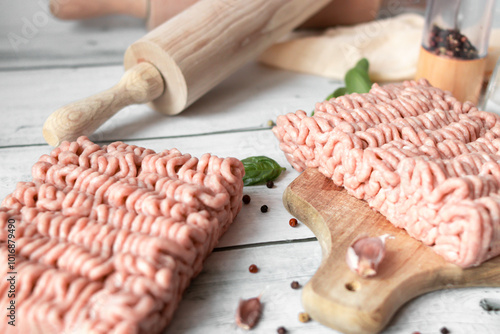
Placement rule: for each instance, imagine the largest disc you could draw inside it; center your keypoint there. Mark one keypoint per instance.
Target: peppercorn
(295, 285)
(281, 330)
(451, 43)
(253, 268)
(304, 317)
(445, 330)
(246, 199)
(264, 208)
(293, 222)
(269, 184)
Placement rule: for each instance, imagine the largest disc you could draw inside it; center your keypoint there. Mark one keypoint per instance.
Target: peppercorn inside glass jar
(454, 46)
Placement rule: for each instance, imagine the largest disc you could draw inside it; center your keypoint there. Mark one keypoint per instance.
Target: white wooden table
(45, 63)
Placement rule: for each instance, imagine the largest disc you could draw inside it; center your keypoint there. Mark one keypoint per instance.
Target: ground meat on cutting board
(108, 238)
(426, 161)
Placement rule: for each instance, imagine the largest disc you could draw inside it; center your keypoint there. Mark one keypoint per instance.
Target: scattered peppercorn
(304, 317)
(281, 330)
(295, 285)
(293, 222)
(269, 184)
(264, 208)
(246, 199)
(253, 268)
(445, 330)
(416, 333)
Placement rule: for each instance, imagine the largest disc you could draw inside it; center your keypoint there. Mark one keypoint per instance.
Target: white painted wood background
(46, 63)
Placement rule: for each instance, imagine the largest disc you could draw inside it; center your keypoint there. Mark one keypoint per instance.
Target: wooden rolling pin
(175, 64)
(343, 12)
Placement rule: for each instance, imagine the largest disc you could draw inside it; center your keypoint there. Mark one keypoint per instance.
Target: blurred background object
(332, 40)
(338, 12)
(344, 12)
(390, 44)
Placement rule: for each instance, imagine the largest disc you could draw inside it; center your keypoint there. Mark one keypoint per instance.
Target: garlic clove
(248, 312)
(365, 254)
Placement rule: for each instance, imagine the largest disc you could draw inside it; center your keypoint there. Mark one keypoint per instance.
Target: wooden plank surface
(64, 61)
(235, 104)
(32, 38)
(213, 296)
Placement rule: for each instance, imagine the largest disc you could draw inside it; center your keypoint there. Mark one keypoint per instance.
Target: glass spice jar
(491, 101)
(454, 46)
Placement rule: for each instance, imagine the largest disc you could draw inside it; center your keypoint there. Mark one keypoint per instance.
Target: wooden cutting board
(340, 299)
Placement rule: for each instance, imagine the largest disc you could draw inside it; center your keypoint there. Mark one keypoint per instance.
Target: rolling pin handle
(140, 84)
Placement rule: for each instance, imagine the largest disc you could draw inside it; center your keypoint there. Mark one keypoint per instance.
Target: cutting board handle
(339, 298)
(140, 84)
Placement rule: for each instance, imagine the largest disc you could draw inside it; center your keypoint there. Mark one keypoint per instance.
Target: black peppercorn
(445, 330)
(281, 330)
(246, 199)
(451, 43)
(269, 184)
(264, 208)
(295, 285)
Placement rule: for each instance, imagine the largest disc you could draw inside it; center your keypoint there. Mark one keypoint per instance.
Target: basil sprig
(356, 80)
(338, 92)
(260, 169)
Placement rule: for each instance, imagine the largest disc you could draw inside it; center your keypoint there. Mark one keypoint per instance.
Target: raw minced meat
(426, 161)
(108, 238)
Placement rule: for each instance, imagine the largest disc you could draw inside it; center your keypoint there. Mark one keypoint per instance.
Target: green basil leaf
(338, 92)
(260, 169)
(357, 81)
(363, 64)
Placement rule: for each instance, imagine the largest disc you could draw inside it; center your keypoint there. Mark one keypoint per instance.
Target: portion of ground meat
(108, 238)
(426, 161)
